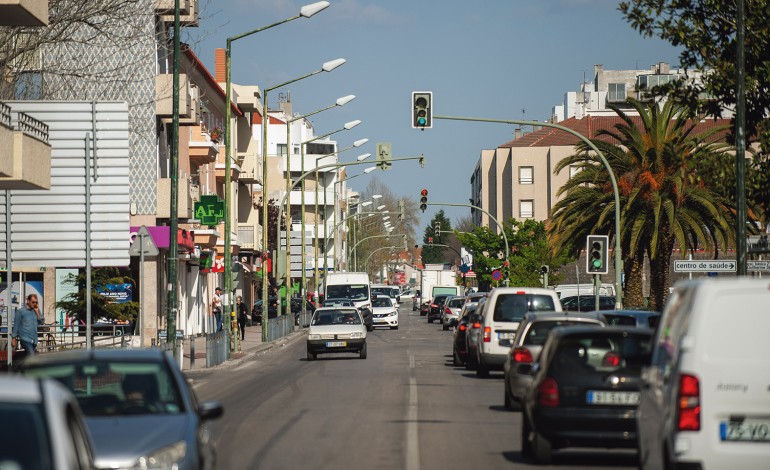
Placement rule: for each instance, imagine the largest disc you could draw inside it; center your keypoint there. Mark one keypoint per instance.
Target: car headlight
(393, 313)
(356, 335)
(313, 336)
(167, 457)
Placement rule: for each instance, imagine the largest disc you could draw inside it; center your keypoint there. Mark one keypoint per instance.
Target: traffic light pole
(618, 257)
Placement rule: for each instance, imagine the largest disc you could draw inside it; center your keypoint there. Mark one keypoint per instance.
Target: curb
(239, 358)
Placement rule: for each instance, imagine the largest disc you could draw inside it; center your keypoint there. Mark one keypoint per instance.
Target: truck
(353, 287)
(568, 290)
(437, 275)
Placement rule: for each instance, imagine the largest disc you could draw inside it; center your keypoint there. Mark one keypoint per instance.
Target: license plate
(336, 344)
(756, 430)
(598, 397)
(507, 336)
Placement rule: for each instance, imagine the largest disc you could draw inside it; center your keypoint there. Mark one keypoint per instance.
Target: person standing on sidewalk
(216, 307)
(25, 322)
(242, 316)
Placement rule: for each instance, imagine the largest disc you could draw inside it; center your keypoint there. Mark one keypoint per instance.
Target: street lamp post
(305, 12)
(327, 67)
(340, 102)
(335, 225)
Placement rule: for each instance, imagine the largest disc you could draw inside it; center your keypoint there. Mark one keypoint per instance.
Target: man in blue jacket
(25, 323)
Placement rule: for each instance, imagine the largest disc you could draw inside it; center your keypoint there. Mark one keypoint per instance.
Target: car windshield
(456, 302)
(336, 317)
(24, 439)
(117, 388)
(513, 307)
(538, 331)
(348, 291)
(382, 302)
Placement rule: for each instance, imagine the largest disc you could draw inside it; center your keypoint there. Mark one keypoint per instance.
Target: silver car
(451, 311)
(138, 406)
(42, 426)
(527, 345)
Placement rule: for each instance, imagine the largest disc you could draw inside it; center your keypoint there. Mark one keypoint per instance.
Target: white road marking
(412, 436)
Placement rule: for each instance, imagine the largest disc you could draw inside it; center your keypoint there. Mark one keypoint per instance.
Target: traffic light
(437, 229)
(430, 240)
(423, 200)
(597, 254)
(422, 109)
(401, 210)
(544, 269)
(384, 155)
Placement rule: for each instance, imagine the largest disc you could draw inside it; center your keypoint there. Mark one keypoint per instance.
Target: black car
(272, 310)
(436, 306)
(587, 303)
(459, 345)
(585, 390)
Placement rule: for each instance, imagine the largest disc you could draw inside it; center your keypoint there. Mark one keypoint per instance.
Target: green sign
(210, 210)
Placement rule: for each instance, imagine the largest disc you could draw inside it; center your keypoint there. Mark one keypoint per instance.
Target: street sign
(757, 244)
(143, 244)
(497, 275)
(758, 265)
(704, 266)
(210, 210)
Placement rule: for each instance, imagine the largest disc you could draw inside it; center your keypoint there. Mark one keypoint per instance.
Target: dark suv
(587, 303)
(436, 306)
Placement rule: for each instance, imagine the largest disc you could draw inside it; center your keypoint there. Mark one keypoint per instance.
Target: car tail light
(611, 359)
(689, 403)
(476, 325)
(521, 355)
(548, 392)
(487, 334)
(447, 311)
(462, 327)
(434, 305)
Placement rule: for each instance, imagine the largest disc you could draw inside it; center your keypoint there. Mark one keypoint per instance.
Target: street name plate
(758, 265)
(704, 266)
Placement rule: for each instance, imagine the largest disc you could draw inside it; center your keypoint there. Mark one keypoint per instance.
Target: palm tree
(654, 157)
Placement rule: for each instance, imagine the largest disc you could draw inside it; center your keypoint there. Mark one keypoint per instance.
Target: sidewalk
(251, 346)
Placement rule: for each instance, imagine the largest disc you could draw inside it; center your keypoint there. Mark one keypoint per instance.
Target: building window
(573, 170)
(616, 92)
(526, 209)
(281, 149)
(526, 175)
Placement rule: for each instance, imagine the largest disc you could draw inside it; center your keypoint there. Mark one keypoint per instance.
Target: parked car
(138, 406)
(416, 301)
(105, 328)
(336, 330)
(43, 426)
(504, 309)
(527, 345)
(384, 313)
(705, 401)
(272, 310)
(450, 311)
(585, 390)
(437, 307)
(638, 318)
(459, 345)
(405, 295)
(587, 303)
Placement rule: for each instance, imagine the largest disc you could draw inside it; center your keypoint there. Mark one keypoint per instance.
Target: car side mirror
(211, 409)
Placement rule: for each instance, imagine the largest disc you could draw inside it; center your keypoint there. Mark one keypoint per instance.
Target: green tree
(706, 32)
(655, 159)
(101, 306)
(439, 229)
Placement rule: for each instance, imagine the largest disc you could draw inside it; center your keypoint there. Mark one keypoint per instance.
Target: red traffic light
(424, 192)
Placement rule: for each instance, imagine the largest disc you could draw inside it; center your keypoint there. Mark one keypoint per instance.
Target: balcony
(202, 149)
(25, 154)
(249, 236)
(185, 204)
(235, 172)
(251, 168)
(23, 12)
(188, 11)
(164, 99)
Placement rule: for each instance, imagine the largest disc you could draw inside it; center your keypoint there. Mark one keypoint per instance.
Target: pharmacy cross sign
(210, 210)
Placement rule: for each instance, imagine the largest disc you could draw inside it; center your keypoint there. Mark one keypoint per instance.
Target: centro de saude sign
(210, 210)
(724, 265)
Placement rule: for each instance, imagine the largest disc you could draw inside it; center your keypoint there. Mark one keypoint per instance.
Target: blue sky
(499, 59)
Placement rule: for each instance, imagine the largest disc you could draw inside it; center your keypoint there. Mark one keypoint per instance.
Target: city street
(405, 406)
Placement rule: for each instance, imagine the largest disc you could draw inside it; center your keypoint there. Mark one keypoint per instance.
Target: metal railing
(279, 327)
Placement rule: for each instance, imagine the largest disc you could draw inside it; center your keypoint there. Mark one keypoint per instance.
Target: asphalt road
(404, 407)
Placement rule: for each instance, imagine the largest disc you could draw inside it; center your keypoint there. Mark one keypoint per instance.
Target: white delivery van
(451, 290)
(705, 398)
(349, 286)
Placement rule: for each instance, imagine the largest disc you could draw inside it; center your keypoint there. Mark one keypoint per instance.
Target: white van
(503, 311)
(705, 398)
(349, 286)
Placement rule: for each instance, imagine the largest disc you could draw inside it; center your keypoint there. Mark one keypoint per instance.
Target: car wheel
(362, 353)
(507, 397)
(470, 361)
(482, 370)
(445, 326)
(526, 448)
(541, 449)
(456, 361)
(311, 356)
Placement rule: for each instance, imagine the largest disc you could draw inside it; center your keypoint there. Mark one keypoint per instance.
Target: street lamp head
(361, 142)
(345, 100)
(367, 203)
(351, 124)
(363, 157)
(370, 169)
(309, 10)
(332, 64)
(376, 196)
(379, 208)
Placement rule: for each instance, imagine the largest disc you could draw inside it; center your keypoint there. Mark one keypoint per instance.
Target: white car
(43, 426)
(384, 312)
(451, 311)
(336, 330)
(705, 397)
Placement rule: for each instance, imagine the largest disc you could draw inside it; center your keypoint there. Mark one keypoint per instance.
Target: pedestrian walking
(242, 316)
(216, 307)
(25, 322)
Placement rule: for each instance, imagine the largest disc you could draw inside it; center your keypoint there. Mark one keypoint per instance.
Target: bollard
(192, 351)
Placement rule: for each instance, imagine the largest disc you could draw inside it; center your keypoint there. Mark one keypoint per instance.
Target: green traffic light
(421, 121)
(597, 263)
